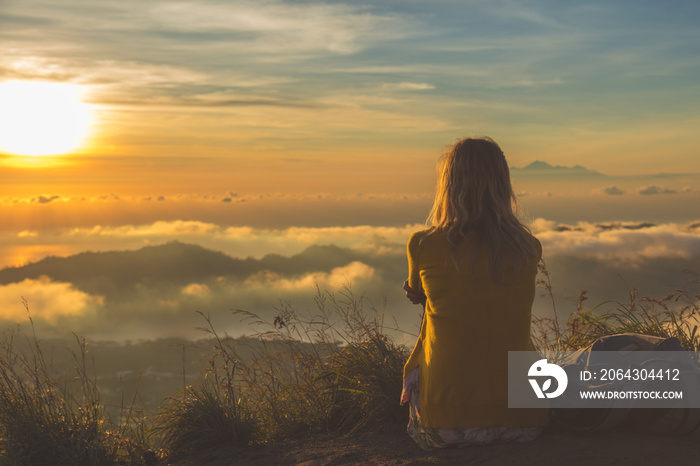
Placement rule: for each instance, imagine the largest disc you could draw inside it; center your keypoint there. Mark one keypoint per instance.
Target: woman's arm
(413, 286)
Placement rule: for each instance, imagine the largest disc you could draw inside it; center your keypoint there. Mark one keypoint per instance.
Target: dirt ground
(390, 445)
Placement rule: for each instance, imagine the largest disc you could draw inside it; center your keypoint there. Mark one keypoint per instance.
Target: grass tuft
(204, 417)
(332, 369)
(364, 381)
(674, 315)
(53, 419)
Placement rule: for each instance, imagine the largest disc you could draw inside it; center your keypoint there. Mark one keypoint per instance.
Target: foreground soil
(390, 445)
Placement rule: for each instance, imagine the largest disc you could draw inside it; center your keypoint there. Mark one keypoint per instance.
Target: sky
(269, 127)
(283, 96)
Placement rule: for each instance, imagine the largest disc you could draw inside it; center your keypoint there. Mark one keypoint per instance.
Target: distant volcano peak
(539, 167)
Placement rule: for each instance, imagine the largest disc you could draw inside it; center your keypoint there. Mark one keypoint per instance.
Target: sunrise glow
(42, 118)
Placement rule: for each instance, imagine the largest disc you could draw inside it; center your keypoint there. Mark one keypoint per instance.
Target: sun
(42, 118)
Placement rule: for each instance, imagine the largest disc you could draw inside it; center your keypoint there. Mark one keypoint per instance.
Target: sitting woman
(474, 270)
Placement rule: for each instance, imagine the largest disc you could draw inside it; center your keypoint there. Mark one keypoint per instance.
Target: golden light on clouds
(42, 118)
(348, 275)
(48, 300)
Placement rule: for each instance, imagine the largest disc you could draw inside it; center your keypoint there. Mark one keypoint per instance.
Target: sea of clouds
(98, 296)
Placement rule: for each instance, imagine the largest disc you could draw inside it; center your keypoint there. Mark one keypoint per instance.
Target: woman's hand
(416, 297)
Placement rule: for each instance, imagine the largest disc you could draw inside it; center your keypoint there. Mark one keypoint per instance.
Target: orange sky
(316, 97)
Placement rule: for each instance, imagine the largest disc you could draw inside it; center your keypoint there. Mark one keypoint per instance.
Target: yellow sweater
(471, 322)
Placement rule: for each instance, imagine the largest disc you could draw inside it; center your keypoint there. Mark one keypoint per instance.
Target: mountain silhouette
(173, 263)
(540, 168)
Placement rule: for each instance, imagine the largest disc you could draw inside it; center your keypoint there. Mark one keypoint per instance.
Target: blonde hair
(474, 193)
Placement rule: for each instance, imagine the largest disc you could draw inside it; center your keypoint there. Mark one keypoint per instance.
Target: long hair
(474, 193)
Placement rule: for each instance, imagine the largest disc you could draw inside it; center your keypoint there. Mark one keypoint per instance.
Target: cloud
(629, 244)
(197, 289)
(48, 300)
(157, 229)
(303, 235)
(353, 274)
(230, 98)
(278, 30)
(610, 259)
(610, 190)
(277, 27)
(106, 75)
(406, 86)
(653, 189)
(46, 200)
(539, 225)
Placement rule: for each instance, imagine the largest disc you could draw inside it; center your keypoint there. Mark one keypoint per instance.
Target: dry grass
(57, 419)
(674, 315)
(330, 369)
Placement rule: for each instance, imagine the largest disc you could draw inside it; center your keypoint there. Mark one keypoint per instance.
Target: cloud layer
(647, 190)
(155, 291)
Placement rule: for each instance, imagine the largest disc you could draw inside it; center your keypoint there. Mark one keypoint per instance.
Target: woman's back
(472, 319)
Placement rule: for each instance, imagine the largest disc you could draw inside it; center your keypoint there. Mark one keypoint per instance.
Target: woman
(474, 270)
